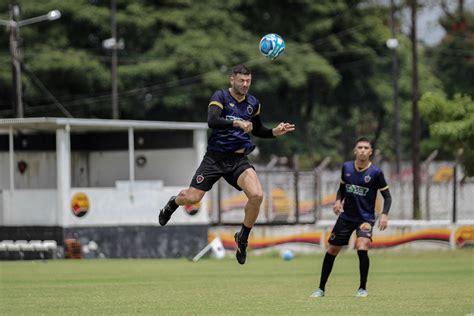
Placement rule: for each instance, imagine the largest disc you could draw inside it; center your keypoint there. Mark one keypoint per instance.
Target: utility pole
(114, 45)
(396, 104)
(16, 64)
(115, 109)
(415, 125)
(13, 26)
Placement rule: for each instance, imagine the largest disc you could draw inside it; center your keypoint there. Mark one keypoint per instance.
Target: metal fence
(304, 197)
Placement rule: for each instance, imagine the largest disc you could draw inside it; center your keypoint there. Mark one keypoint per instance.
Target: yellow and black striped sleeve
(216, 103)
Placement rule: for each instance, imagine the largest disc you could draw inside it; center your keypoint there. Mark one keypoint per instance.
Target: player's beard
(240, 91)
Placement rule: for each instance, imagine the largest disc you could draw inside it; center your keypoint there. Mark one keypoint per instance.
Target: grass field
(400, 283)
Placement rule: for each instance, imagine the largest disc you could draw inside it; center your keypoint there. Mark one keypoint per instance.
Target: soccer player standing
(232, 114)
(355, 206)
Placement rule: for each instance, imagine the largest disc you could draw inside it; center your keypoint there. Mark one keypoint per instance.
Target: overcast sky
(429, 30)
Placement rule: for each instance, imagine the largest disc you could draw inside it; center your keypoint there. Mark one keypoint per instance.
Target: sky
(429, 30)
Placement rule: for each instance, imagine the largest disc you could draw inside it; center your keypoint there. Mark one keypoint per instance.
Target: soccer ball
(272, 46)
(288, 255)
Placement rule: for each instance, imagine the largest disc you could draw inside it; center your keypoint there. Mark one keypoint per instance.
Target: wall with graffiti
(308, 238)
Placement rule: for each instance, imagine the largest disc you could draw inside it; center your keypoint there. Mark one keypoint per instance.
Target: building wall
(175, 167)
(123, 205)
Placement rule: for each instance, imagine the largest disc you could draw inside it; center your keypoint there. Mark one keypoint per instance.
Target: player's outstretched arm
(283, 128)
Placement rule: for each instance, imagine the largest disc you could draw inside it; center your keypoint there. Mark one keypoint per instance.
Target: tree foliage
(452, 124)
(453, 59)
(334, 80)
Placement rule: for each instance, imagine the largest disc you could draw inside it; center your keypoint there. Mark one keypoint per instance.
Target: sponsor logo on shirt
(357, 190)
(232, 118)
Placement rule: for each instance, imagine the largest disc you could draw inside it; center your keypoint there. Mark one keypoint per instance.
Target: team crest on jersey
(199, 178)
(231, 104)
(367, 179)
(365, 227)
(348, 174)
(250, 110)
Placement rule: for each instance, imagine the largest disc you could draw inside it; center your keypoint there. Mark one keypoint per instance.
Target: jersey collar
(360, 170)
(235, 97)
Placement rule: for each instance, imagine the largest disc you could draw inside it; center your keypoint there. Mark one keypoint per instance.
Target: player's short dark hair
(362, 140)
(240, 69)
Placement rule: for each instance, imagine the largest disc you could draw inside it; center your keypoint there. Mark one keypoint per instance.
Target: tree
(451, 124)
(453, 58)
(334, 80)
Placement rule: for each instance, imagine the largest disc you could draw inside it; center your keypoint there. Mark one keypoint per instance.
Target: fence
(305, 197)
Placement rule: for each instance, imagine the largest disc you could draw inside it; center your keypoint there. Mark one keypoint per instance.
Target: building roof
(76, 124)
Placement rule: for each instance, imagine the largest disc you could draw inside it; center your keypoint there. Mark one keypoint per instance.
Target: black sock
(172, 204)
(363, 267)
(326, 270)
(244, 233)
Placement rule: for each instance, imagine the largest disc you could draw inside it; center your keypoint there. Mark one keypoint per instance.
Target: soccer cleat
(166, 212)
(317, 293)
(241, 253)
(362, 293)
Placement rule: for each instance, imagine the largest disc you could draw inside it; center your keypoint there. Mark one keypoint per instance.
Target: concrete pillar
(200, 144)
(63, 168)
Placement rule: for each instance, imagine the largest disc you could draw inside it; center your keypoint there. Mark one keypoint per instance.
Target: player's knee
(256, 198)
(362, 244)
(194, 198)
(333, 250)
(191, 197)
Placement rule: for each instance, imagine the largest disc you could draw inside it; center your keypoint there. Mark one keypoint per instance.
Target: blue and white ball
(272, 46)
(288, 255)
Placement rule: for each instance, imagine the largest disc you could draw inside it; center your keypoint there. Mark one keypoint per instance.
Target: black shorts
(342, 231)
(215, 165)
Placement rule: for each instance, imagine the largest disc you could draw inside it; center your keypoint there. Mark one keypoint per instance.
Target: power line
(45, 90)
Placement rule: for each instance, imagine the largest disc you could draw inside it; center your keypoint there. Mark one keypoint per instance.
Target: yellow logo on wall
(464, 236)
(80, 204)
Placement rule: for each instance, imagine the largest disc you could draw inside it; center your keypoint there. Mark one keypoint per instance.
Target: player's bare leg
(250, 184)
(252, 188)
(334, 250)
(189, 196)
(362, 246)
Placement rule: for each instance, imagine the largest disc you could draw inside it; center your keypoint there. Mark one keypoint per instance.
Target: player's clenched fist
(245, 125)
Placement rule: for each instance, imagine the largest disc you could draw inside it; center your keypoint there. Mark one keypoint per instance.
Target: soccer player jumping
(355, 206)
(232, 114)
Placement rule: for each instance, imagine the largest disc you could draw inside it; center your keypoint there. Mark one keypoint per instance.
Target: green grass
(399, 283)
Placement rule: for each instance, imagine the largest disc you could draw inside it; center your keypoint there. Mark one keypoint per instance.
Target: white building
(102, 181)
